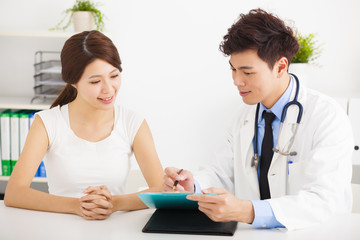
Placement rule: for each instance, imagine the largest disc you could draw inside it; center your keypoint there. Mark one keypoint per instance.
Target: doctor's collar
(279, 105)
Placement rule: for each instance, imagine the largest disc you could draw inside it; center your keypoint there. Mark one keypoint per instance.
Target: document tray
(187, 222)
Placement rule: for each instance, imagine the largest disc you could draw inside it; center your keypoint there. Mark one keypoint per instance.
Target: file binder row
(14, 127)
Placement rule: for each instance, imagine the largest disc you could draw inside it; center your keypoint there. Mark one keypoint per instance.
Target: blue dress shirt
(264, 216)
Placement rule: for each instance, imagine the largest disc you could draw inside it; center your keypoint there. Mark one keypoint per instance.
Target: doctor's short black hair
(263, 32)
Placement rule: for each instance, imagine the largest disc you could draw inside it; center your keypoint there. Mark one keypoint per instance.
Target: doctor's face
(254, 79)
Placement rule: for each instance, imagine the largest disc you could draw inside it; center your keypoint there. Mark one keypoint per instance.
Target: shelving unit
(20, 103)
(47, 34)
(35, 180)
(48, 82)
(17, 83)
(44, 34)
(23, 103)
(39, 183)
(17, 58)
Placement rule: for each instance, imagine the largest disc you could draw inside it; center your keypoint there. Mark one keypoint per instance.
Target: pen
(176, 181)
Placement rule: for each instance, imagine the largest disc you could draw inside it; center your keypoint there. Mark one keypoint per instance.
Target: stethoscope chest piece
(255, 161)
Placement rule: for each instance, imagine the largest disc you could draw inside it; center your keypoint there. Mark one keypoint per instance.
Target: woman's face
(99, 84)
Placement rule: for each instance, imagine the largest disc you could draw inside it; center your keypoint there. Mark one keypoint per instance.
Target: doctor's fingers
(171, 172)
(174, 174)
(217, 191)
(218, 212)
(206, 198)
(169, 183)
(211, 214)
(210, 207)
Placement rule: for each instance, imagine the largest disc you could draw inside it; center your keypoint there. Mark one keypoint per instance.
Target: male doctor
(279, 190)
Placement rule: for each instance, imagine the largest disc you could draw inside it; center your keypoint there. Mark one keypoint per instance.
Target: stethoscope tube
(293, 102)
(255, 158)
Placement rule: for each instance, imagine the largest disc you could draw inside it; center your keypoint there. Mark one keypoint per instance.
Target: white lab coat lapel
(278, 168)
(247, 148)
(277, 175)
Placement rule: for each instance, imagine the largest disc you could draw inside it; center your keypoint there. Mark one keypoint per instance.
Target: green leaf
(308, 49)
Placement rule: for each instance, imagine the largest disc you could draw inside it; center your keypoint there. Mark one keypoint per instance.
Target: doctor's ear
(281, 66)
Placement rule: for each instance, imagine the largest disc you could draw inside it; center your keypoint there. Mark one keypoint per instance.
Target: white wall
(173, 72)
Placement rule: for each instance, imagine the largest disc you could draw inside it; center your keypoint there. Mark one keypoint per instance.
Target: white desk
(26, 224)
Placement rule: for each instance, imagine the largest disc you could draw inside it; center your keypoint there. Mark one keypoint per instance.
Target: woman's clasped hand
(96, 204)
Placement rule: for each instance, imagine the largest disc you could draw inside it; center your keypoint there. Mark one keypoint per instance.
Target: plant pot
(302, 71)
(83, 21)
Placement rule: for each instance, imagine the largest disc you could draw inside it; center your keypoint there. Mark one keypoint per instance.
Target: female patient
(86, 140)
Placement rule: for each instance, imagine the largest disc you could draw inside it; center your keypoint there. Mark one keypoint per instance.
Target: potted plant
(85, 15)
(309, 51)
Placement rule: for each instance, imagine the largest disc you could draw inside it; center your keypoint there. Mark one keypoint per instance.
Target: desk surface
(26, 224)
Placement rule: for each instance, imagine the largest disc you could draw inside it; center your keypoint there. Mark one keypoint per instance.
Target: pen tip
(174, 187)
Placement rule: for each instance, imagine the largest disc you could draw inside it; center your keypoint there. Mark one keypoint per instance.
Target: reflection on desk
(27, 224)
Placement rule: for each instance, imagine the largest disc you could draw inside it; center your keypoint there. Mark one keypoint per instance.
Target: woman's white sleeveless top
(73, 164)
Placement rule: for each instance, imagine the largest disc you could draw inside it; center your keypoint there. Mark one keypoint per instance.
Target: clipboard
(185, 221)
(168, 200)
(177, 214)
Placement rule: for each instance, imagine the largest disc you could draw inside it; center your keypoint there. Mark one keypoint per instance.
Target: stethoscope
(255, 158)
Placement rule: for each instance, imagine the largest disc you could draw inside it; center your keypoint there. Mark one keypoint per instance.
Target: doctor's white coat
(316, 184)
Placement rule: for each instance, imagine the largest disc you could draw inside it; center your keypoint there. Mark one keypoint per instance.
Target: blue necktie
(266, 155)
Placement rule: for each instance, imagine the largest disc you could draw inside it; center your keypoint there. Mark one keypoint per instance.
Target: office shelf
(35, 180)
(41, 34)
(28, 42)
(44, 34)
(18, 103)
(23, 103)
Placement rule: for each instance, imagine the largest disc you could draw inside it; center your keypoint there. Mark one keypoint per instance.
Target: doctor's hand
(224, 207)
(96, 205)
(185, 180)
